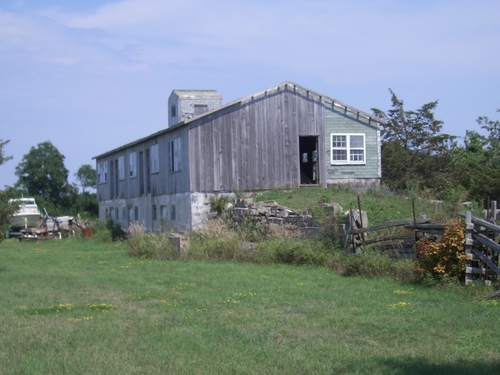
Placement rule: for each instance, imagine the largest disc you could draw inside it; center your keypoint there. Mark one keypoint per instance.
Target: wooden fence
(395, 246)
(482, 248)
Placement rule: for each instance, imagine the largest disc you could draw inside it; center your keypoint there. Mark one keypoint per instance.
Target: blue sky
(92, 75)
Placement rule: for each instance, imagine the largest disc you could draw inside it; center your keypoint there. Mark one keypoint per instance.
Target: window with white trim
(102, 172)
(348, 148)
(132, 164)
(121, 167)
(174, 152)
(155, 159)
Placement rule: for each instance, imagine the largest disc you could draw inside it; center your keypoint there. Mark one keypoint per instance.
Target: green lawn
(84, 307)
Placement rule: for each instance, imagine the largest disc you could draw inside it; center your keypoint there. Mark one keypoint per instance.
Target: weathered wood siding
(254, 145)
(146, 182)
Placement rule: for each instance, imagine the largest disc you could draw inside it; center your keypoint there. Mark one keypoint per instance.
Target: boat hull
(27, 216)
(24, 221)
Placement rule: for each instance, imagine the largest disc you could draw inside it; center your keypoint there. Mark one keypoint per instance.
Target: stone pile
(270, 212)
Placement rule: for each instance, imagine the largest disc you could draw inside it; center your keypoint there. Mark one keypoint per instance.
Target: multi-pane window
(102, 172)
(121, 167)
(133, 164)
(174, 152)
(155, 159)
(348, 148)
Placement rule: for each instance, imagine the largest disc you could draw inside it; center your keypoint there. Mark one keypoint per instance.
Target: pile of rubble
(270, 212)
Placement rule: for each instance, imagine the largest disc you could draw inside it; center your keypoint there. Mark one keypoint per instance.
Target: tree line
(416, 151)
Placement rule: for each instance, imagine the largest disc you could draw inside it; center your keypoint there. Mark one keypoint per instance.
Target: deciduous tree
(3, 158)
(42, 172)
(477, 163)
(86, 176)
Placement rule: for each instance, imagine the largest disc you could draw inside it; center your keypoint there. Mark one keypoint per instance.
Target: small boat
(28, 215)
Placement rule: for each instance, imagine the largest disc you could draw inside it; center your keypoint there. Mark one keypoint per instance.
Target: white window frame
(352, 152)
(121, 167)
(155, 159)
(102, 172)
(132, 158)
(174, 154)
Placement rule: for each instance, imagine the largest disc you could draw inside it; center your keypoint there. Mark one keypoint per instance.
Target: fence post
(469, 227)
(493, 211)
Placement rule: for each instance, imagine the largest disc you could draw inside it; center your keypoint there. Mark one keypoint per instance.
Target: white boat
(27, 216)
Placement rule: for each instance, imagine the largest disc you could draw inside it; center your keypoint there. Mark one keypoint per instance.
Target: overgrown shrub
(101, 233)
(142, 244)
(116, 230)
(328, 223)
(218, 203)
(445, 257)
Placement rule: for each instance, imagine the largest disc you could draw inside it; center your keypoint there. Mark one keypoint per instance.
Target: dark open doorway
(308, 149)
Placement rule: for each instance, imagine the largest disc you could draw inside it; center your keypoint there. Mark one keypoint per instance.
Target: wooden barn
(283, 137)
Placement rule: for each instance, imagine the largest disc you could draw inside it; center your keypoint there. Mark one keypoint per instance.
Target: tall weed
(373, 264)
(297, 251)
(216, 240)
(142, 244)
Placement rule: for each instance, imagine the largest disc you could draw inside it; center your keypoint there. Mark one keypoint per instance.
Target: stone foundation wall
(270, 212)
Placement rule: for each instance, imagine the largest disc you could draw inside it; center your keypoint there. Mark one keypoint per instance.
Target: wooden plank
(393, 238)
(388, 224)
(483, 223)
(432, 226)
(469, 227)
(438, 232)
(216, 150)
(488, 262)
(486, 242)
(475, 270)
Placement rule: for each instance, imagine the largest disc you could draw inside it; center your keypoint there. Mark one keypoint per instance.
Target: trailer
(38, 234)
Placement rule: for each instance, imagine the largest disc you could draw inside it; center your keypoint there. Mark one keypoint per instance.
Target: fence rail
(482, 248)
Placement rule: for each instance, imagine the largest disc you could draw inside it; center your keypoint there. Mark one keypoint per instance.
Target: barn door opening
(308, 152)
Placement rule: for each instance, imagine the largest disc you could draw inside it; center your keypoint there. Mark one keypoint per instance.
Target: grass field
(84, 307)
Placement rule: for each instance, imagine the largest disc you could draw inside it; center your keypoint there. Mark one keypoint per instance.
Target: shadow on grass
(420, 366)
